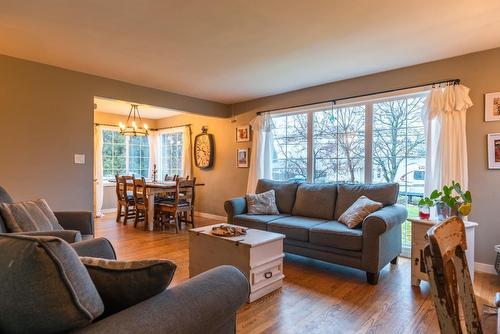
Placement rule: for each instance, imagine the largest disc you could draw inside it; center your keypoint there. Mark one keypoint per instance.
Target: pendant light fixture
(134, 125)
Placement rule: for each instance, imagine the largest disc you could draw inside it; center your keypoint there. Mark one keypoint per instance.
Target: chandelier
(133, 125)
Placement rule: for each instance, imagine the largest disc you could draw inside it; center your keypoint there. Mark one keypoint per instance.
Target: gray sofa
(308, 218)
(206, 303)
(77, 225)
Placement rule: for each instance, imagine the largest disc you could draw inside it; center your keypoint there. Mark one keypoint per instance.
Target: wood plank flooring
(317, 297)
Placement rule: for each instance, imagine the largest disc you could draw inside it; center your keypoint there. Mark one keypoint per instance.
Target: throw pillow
(44, 286)
(358, 211)
(122, 284)
(29, 216)
(262, 204)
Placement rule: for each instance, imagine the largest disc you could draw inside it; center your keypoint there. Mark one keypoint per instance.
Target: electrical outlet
(80, 159)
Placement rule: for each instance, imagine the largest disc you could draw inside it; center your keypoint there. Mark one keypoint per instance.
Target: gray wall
(481, 73)
(46, 117)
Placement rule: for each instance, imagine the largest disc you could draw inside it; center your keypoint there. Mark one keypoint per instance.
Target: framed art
(243, 133)
(492, 107)
(242, 157)
(494, 151)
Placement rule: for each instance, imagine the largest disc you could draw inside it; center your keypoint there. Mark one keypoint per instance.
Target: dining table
(152, 189)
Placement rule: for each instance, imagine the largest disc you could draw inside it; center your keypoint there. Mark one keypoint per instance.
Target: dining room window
(171, 153)
(124, 155)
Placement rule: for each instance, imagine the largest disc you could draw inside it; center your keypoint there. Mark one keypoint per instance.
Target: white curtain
(261, 155)
(186, 152)
(98, 182)
(444, 119)
(153, 154)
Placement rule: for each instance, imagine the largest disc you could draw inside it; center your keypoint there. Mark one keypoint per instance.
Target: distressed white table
(258, 254)
(419, 228)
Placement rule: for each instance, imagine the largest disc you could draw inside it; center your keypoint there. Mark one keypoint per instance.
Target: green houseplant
(450, 201)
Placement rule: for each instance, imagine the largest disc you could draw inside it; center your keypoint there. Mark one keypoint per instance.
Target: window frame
(179, 132)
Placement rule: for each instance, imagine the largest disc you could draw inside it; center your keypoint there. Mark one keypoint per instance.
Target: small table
(258, 254)
(419, 228)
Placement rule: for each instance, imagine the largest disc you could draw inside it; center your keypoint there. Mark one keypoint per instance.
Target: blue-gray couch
(308, 218)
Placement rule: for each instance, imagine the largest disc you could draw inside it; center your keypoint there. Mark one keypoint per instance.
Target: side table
(419, 228)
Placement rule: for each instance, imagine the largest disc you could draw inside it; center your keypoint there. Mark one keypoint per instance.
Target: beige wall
(47, 116)
(481, 73)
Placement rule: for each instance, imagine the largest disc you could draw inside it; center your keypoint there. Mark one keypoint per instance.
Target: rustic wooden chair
(170, 178)
(125, 201)
(187, 193)
(449, 278)
(171, 209)
(141, 202)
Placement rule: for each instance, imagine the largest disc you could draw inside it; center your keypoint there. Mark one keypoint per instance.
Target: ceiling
(119, 107)
(235, 50)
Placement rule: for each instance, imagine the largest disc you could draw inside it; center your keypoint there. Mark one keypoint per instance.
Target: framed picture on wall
(243, 133)
(492, 107)
(242, 157)
(494, 151)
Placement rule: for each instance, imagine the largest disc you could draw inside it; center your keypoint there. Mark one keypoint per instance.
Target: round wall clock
(204, 149)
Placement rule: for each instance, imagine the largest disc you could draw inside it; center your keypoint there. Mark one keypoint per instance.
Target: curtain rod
(163, 128)
(451, 81)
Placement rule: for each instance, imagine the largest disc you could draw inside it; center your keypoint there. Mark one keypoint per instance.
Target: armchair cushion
(29, 216)
(44, 288)
(122, 284)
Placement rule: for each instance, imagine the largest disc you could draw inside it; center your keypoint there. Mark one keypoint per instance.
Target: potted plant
(450, 201)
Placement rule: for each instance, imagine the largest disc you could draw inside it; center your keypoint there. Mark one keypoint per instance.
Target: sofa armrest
(206, 304)
(70, 236)
(98, 247)
(235, 206)
(76, 220)
(384, 220)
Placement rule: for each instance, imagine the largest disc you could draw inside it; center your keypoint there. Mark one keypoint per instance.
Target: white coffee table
(258, 254)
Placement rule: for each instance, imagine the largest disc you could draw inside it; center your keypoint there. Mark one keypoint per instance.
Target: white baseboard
(210, 216)
(484, 268)
(111, 210)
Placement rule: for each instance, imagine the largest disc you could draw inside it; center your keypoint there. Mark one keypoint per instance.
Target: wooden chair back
(140, 196)
(170, 178)
(449, 278)
(186, 190)
(122, 183)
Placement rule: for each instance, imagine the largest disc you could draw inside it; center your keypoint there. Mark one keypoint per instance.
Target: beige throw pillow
(262, 204)
(358, 211)
(29, 216)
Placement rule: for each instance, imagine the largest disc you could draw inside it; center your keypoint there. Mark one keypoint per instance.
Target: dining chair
(181, 203)
(170, 178)
(125, 200)
(449, 278)
(141, 201)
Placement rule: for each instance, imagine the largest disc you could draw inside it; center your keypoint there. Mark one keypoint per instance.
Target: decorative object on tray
(494, 151)
(204, 149)
(492, 107)
(228, 231)
(242, 157)
(243, 133)
(450, 201)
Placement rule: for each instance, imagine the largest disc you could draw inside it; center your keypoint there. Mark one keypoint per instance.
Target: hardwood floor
(317, 297)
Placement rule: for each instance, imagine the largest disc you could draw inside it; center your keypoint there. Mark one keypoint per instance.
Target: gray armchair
(77, 225)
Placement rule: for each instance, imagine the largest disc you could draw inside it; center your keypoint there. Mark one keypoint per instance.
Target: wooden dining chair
(125, 201)
(141, 202)
(187, 193)
(170, 178)
(169, 211)
(449, 278)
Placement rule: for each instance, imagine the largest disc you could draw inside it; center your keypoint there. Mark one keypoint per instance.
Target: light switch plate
(80, 159)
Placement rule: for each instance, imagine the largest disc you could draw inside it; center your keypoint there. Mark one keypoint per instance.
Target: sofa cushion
(256, 221)
(315, 200)
(44, 288)
(285, 193)
(358, 211)
(262, 204)
(336, 235)
(294, 227)
(29, 216)
(122, 284)
(347, 194)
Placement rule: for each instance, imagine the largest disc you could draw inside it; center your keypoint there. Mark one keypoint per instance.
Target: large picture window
(366, 141)
(124, 155)
(171, 153)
